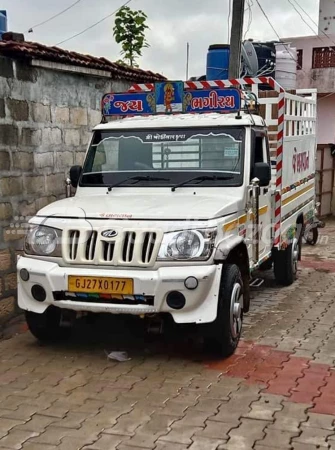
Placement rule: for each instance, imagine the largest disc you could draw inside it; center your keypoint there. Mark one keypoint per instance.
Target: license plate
(100, 285)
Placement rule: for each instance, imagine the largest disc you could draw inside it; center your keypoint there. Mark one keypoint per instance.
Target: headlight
(43, 241)
(189, 244)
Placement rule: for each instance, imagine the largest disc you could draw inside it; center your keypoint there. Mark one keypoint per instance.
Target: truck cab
(172, 215)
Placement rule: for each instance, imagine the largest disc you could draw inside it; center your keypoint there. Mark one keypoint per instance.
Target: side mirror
(262, 171)
(75, 173)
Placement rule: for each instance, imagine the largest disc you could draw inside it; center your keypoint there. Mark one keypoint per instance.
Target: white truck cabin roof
(182, 121)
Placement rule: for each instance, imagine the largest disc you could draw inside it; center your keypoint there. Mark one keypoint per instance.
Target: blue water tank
(217, 62)
(3, 23)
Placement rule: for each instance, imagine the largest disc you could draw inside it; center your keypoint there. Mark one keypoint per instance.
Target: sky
(172, 24)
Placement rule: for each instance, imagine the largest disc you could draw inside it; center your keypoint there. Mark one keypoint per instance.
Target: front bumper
(200, 307)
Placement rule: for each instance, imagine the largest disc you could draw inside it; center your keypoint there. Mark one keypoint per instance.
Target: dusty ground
(277, 391)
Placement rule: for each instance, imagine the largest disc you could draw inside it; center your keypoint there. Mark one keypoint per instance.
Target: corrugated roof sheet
(35, 50)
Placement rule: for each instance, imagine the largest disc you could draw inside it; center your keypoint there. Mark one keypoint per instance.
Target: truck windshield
(165, 157)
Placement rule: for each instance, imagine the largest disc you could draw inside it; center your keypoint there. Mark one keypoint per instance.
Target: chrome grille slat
(91, 245)
(73, 244)
(148, 247)
(108, 251)
(128, 246)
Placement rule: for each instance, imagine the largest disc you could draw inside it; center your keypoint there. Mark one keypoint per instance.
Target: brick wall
(45, 122)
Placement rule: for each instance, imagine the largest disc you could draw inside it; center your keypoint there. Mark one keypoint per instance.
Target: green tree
(129, 31)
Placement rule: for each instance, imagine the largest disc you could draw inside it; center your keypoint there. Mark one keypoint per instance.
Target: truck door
(262, 154)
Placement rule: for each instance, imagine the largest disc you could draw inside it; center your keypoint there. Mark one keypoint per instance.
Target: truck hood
(169, 206)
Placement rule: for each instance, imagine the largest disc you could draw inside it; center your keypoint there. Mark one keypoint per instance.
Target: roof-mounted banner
(171, 97)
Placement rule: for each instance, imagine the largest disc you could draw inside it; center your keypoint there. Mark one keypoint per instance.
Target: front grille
(127, 248)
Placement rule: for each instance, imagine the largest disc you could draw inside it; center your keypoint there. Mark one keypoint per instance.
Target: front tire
(225, 332)
(286, 263)
(46, 327)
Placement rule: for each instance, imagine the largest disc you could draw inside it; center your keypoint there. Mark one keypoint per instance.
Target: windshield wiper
(137, 178)
(201, 178)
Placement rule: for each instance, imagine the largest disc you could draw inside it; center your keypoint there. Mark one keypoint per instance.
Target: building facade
(49, 101)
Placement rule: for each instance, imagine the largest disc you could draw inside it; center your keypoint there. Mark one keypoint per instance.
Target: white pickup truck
(176, 208)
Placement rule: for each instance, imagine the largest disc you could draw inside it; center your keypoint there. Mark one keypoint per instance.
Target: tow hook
(68, 318)
(155, 326)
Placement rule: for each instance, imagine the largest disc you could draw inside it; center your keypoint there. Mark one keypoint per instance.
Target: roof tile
(35, 50)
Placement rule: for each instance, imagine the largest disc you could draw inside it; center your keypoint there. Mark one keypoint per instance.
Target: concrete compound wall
(45, 120)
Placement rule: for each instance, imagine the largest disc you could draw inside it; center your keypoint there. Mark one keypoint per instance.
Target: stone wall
(45, 120)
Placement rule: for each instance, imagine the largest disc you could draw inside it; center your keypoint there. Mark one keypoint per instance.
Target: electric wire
(229, 15)
(31, 29)
(276, 33)
(93, 25)
(312, 20)
(302, 18)
(250, 4)
(280, 40)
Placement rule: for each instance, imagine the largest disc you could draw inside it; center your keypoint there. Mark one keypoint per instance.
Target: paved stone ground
(277, 391)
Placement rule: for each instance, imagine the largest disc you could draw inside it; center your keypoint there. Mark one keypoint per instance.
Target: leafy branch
(129, 31)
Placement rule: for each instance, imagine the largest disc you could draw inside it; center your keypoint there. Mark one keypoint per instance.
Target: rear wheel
(286, 263)
(47, 326)
(225, 332)
(312, 235)
(266, 265)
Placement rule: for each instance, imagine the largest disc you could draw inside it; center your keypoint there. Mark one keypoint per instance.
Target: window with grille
(299, 59)
(323, 57)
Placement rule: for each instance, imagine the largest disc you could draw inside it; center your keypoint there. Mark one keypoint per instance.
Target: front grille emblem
(109, 233)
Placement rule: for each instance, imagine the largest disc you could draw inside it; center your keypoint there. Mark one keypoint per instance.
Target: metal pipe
(255, 221)
(68, 187)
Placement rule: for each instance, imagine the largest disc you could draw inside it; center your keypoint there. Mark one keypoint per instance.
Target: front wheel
(47, 326)
(286, 263)
(225, 332)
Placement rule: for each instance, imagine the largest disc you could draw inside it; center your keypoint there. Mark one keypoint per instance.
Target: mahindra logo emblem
(109, 233)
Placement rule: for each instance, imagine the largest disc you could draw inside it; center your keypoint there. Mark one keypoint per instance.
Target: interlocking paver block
(313, 436)
(90, 407)
(38, 423)
(71, 443)
(209, 405)
(15, 439)
(180, 434)
(57, 411)
(323, 421)
(23, 412)
(215, 430)
(13, 402)
(106, 442)
(160, 446)
(146, 435)
(245, 436)
(51, 436)
(8, 424)
(189, 397)
(71, 420)
(127, 424)
(193, 418)
(296, 446)
(278, 438)
(173, 408)
(264, 408)
(201, 443)
(30, 446)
